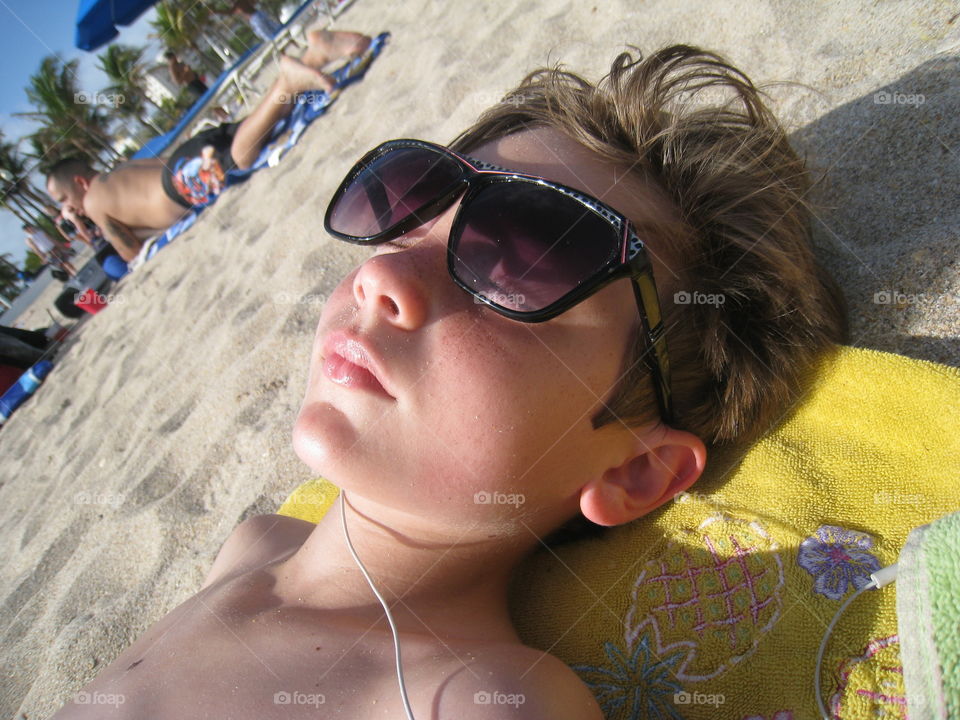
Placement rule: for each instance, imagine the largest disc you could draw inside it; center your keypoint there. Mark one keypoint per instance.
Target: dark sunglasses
(526, 247)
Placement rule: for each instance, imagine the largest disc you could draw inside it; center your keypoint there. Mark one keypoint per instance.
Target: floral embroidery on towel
(871, 684)
(837, 558)
(779, 715)
(637, 687)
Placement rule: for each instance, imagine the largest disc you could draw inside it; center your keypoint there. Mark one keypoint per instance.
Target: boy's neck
(452, 585)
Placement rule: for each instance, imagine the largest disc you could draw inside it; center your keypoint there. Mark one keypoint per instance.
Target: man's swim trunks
(196, 172)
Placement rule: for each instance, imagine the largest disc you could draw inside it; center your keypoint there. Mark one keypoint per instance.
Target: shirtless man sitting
(139, 198)
(184, 75)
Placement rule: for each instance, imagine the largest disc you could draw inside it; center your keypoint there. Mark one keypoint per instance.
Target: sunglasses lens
(524, 246)
(391, 188)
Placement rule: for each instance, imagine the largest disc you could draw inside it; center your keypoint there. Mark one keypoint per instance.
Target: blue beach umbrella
(97, 20)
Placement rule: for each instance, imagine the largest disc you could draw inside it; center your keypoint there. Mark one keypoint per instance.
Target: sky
(29, 30)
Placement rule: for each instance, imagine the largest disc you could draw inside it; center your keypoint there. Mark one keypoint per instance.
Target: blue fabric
(17, 393)
(97, 20)
(114, 267)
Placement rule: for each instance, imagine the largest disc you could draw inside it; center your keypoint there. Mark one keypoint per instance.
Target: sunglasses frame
(632, 260)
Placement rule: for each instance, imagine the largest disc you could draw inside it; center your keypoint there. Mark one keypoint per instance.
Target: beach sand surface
(167, 419)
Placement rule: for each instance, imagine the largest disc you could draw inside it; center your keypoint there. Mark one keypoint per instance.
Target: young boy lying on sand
(505, 338)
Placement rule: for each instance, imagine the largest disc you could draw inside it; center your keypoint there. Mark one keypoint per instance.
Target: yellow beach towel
(714, 606)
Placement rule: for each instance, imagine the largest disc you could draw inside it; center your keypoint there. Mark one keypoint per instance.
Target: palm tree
(14, 177)
(49, 144)
(178, 28)
(17, 194)
(63, 108)
(122, 65)
(9, 279)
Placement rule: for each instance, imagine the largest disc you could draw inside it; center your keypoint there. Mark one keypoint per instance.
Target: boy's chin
(321, 436)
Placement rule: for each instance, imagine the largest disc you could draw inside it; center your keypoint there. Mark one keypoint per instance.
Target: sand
(168, 417)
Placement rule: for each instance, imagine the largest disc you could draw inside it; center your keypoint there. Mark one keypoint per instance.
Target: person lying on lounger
(529, 345)
(140, 198)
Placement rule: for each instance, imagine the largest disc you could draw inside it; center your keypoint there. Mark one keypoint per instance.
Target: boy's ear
(667, 463)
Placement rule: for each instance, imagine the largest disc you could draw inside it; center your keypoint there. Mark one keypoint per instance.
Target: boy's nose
(398, 287)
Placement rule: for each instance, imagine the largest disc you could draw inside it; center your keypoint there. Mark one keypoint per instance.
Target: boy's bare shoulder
(516, 682)
(256, 541)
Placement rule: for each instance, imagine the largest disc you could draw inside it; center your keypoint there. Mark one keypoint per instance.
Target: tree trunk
(27, 200)
(22, 218)
(90, 133)
(18, 201)
(28, 190)
(9, 264)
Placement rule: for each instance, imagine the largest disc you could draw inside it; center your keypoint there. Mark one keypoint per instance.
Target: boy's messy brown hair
(698, 127)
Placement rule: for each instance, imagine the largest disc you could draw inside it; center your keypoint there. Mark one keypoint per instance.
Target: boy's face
(477, 402)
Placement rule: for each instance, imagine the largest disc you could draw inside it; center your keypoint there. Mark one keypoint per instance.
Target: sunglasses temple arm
(655, 354)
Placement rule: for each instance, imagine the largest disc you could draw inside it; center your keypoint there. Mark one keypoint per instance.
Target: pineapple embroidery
(710, 596)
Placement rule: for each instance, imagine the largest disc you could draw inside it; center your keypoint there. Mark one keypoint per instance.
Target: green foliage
(33, 262)
(9, 282)
(71, 121)
(179, 24)
(172, 110)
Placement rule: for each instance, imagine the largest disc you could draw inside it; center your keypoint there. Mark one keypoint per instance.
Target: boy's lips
(349, 361)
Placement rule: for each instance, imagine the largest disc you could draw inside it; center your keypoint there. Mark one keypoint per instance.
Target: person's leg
(16, 352)
(34, 338)
(65, 263)
(329, 45)
(294, 78)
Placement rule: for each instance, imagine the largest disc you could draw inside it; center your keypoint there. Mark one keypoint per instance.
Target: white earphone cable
(393, 627)
(879, 579)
